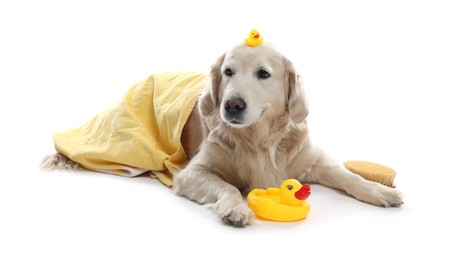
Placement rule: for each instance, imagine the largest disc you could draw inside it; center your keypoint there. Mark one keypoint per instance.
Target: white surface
(377, 77)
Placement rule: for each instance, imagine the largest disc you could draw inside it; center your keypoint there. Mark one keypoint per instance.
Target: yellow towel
(139, 134)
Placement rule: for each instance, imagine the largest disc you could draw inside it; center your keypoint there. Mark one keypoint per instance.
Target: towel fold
(139, 134)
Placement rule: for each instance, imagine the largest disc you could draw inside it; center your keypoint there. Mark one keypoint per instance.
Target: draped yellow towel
(139, 134)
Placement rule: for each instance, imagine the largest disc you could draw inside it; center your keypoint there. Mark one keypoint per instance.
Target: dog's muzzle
(234, 109)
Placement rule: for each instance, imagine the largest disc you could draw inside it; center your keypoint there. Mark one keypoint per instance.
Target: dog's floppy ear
(209, 99)
(297, 103)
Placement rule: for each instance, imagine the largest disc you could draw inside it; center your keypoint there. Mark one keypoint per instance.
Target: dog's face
(252, 82)
(248, 83)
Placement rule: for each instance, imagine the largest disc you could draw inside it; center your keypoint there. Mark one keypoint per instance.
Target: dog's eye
(290, 187)
(263, 74)
(228, 72)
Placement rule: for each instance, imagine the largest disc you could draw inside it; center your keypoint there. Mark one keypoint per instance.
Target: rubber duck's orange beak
(256, 36)
(303, 192)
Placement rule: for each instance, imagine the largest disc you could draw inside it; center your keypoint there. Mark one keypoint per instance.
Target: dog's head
(249, 83)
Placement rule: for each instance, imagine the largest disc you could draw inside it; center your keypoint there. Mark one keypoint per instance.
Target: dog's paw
(238, 217)
(389, 197)
(383, 196)
(233, 212)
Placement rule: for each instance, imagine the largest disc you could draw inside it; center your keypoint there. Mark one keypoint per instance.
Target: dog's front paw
(388, 197)
(233, 212)
(238, 216)
(380, 195)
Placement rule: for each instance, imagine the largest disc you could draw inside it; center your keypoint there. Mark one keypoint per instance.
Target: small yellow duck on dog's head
(287, 203)
(254, 38)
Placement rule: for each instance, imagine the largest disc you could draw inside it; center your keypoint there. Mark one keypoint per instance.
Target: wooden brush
(372, 172)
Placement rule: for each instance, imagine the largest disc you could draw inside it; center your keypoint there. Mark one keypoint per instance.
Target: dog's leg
(200, 184)
(335, 175)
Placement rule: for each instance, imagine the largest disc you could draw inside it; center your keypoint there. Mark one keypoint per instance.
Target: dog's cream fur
(267, 144)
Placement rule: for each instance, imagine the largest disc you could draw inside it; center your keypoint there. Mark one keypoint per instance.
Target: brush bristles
(372, 171)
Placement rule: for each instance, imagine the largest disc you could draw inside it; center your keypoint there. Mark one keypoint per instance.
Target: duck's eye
(263, 74)
(290, 187)
(228, 72)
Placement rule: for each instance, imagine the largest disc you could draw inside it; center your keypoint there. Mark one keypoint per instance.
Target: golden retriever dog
(253, 114)
(250, 131)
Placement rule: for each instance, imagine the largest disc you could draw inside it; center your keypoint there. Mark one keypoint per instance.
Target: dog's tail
(58, 161)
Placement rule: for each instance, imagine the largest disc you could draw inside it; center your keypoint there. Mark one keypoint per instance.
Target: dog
(249, 130)
(253, 114)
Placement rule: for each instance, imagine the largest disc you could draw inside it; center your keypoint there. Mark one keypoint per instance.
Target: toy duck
(254, 38)
(287, 203)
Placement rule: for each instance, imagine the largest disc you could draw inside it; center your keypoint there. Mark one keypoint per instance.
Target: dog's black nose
(234, 106)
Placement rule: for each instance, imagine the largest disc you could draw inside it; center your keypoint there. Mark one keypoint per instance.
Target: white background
(377, 76)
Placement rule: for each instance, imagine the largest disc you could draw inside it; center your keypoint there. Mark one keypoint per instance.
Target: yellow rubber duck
(254, 38)
(287, 203)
